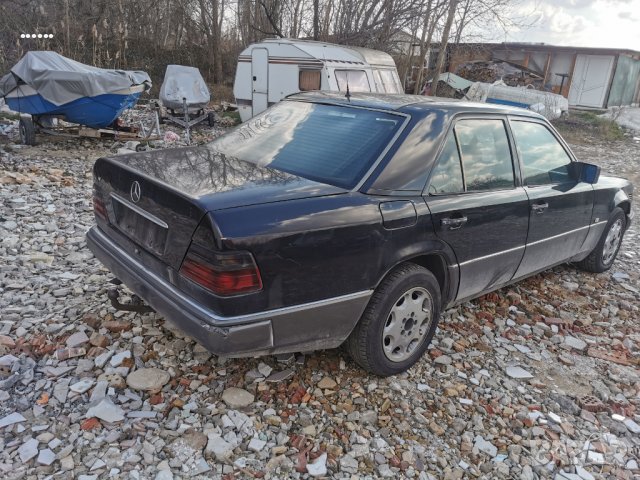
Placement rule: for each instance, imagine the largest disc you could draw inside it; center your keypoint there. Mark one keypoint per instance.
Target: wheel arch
(446, 272)
(625, 205)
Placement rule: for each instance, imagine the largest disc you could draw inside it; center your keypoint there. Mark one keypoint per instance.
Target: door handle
(453, 223)
(539, 207)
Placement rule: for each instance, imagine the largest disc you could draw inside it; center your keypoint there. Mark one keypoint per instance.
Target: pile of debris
(491, 71)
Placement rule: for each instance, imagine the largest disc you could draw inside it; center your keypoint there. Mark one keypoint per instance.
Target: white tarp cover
(549, 104)
(181, 82)
(61, 80)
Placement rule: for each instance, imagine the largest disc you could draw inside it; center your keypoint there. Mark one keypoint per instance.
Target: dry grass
(584, 127)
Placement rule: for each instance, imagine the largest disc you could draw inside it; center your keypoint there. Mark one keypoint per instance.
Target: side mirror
(586, 172)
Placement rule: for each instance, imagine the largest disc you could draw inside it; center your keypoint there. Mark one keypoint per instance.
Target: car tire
(27, 131)
(604, 254)
(392, 335)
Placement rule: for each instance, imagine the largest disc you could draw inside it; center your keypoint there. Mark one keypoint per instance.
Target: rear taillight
(99, 208)
(223, 273)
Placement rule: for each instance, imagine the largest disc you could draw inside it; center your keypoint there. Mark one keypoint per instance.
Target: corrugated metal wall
(626, 82)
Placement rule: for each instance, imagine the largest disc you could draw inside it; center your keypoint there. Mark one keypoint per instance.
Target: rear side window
(486, 156)
(309, 80)
(357, 80)
(447, 174)
(544, 160)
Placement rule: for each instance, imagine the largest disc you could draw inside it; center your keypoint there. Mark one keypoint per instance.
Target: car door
(477, 204)
(560, 206)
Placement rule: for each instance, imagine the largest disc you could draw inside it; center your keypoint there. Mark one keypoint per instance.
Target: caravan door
(260, 79)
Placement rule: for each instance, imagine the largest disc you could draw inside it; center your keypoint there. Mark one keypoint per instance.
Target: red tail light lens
(99, 208)
(224, 274)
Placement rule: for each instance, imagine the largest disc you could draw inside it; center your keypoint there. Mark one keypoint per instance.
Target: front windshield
(327, 143)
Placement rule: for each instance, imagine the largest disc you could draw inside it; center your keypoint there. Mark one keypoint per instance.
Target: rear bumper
(312, 326)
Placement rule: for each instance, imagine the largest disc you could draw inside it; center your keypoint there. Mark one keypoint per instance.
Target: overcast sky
(583, 23)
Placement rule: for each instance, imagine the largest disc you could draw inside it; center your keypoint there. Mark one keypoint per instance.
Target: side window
(486, 156)
(544, 160)
(309, 80)
(357, 80)
(390, 84)
(447, 174)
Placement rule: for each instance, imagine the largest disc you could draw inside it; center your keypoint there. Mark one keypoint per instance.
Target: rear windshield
(329, 144)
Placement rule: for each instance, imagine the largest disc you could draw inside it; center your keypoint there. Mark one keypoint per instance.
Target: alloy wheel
(612, 242)
(407, 324)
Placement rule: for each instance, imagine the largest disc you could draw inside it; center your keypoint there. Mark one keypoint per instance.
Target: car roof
(397, 102)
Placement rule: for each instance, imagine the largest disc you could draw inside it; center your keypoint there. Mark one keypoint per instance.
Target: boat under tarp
(47, 84)
(182, 86)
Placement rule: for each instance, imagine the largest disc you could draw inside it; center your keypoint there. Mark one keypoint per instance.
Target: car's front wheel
(602, 256)
(399, 322)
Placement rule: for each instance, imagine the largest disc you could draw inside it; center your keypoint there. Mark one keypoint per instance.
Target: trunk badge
(135, 192)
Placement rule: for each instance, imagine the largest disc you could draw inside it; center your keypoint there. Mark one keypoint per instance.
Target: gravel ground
(538, 380)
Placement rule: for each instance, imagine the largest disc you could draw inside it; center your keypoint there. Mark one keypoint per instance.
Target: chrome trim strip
(575, 230)
(218, 320)
(485, 257)
(139, 211)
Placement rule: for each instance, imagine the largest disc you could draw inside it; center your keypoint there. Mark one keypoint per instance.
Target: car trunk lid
(157, 199)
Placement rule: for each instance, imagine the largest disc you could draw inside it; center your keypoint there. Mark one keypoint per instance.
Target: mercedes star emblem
(135, 192)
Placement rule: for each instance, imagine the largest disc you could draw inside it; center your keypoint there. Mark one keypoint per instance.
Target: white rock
(518, 372)
(102, 359)
(318, 467)
(264, 369)
(82, 386)
(485, 446)
(574, 342)
(28, 450)
(46, 457)
(164, 475)
(219, 447)
(100, 391)
(77, 339)
(118, 358)
(148, 379)
(554, 417)
(582, 473)
(237, 397)
(54, 443)
(632, 426)
(99, 463)
(256, 444)
(10, 419)
(443, 360)
(106, 410)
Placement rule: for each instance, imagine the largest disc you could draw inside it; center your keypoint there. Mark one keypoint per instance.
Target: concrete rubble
(539, 380)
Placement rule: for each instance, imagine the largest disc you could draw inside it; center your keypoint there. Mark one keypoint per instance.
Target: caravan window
(390, 81)
(357, 80)
(309, 80)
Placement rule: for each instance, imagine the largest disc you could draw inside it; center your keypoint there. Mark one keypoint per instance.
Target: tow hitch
(136, 304)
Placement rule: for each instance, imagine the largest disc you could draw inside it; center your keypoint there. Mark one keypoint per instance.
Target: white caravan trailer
(270, 70)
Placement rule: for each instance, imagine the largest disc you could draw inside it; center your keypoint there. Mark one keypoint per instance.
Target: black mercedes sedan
(330, 219)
